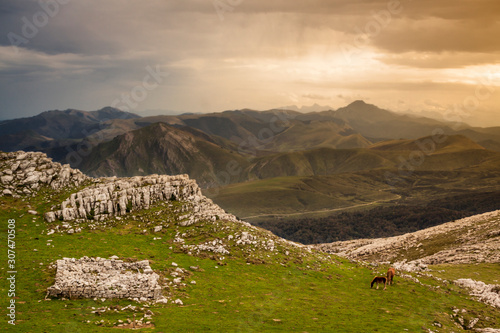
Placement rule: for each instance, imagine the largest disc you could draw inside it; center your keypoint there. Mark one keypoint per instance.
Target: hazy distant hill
(68, 124)
(356, 125)
(262, 144)
(379, 124)
(304, 109)
(56, 128)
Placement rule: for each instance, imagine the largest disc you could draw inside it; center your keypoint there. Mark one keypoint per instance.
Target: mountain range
(276, 164)
(358, 125)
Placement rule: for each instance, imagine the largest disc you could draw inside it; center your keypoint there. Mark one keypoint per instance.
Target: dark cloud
(251, 54)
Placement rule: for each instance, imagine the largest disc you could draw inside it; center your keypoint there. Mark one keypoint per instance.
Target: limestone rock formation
(486, 293)
(105, 278)
(24, 173)
(110, 197)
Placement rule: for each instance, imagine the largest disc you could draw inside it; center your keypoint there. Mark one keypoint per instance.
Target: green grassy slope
(295, 196)
(250, 290)
(316, 134)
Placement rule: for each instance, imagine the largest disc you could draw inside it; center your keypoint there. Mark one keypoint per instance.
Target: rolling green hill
(282, 197)
(376, 176)
(280, 183)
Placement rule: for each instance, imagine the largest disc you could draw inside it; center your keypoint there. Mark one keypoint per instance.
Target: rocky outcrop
(469, 240)
(486, 293)
(110, 197)
(24, 173)
(105, 278)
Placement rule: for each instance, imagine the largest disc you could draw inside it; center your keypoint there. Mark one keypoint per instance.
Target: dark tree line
(383, 221)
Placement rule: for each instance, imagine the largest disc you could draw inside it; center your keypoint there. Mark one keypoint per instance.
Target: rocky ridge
(474, 239)
(111, 197)
(24, 173)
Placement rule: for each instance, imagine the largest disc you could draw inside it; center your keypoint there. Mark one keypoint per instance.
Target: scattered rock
(412, 266)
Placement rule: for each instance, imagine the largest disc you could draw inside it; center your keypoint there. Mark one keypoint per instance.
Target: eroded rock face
(24, 173)
(110, 197)
(105, 278)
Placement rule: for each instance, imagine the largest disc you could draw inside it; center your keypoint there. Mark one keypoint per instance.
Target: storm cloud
(221, 54)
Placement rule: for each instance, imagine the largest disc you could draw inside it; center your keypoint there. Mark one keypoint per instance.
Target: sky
(438, 58)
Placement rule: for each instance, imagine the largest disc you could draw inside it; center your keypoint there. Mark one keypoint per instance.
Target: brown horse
(390, 275)
(378, 280)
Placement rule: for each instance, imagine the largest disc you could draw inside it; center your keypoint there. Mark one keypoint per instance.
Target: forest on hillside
(383, 221)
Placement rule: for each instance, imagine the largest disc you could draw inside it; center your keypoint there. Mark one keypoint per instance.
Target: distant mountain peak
(362, 105)
(358, 102)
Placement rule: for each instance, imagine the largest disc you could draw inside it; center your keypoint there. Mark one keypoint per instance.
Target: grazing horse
(379, 279)
(390, 275)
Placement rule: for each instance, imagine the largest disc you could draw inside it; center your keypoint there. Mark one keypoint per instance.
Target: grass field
(250, 290)
(283, 196)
